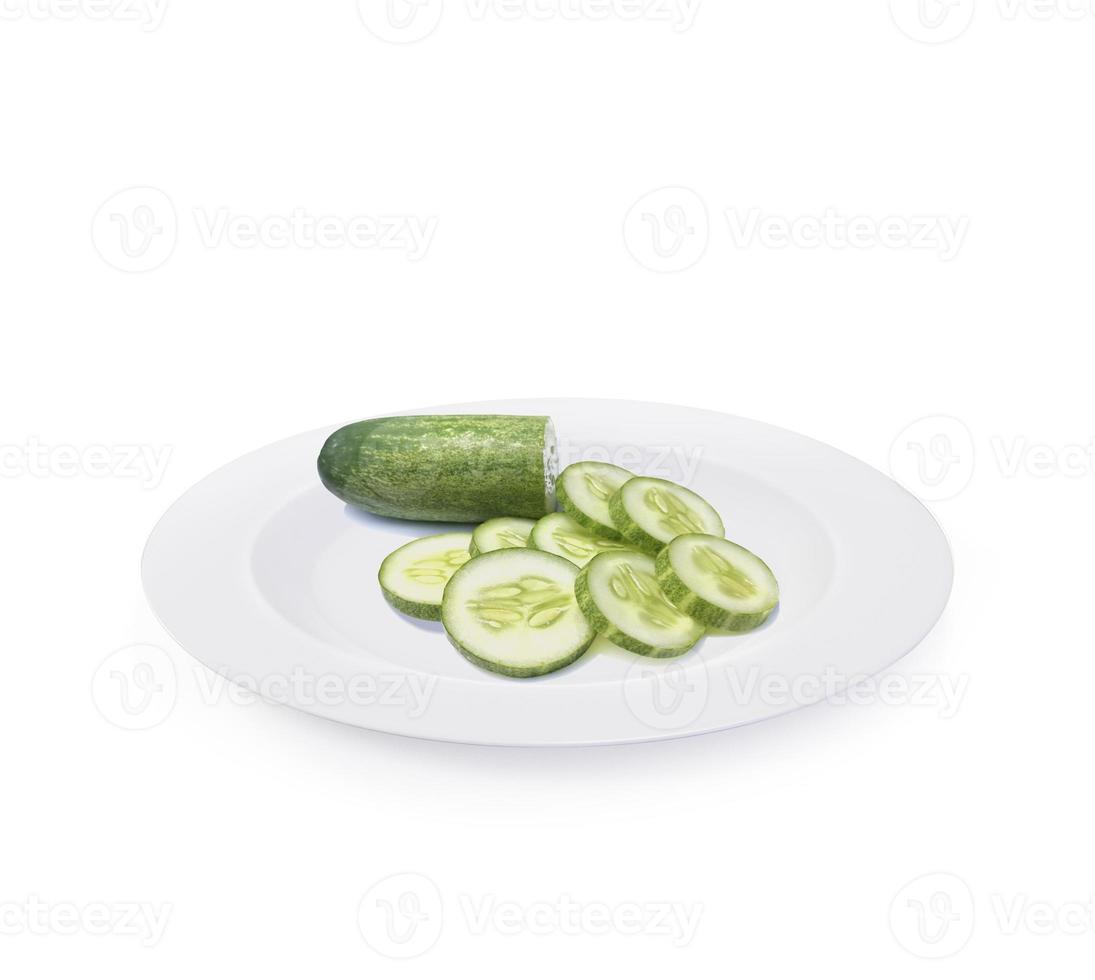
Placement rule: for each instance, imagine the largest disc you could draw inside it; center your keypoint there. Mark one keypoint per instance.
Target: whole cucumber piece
(460, 468)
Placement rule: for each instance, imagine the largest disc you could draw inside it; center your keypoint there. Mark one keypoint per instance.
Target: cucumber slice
(561, 535)
(584, 490)
(514, 612)
(413, 578)
(619, 593)
(717, 582)
(501, 532)
(650, 513)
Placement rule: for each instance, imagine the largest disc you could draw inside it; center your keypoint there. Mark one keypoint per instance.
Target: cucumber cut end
(551, 466)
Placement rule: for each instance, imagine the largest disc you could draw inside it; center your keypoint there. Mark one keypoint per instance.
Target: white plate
(268, 579)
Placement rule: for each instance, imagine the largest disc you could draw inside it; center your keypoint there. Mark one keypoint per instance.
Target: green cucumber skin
(628, 529)
(460, 468)
(702, 611)
(473, 549)
(568, 507)
(613, 634)
(416, 610)
(521, 673)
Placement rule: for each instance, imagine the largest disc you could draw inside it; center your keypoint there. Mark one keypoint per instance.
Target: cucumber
(619, 594)
(463, 468)
(561, 535)
(718, 583)
(513, 612)
(413, 578)
(501, 532)
(650, 513)
(584, 492)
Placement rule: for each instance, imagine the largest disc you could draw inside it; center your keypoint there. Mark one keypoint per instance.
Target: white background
(529, 138)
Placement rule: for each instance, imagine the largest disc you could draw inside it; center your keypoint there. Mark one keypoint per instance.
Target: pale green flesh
(724, 573)
(414, 576)
(501, 532)
(561, 535)
(626, 592)
(664, 510)
(513, 611)
(588, 487)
